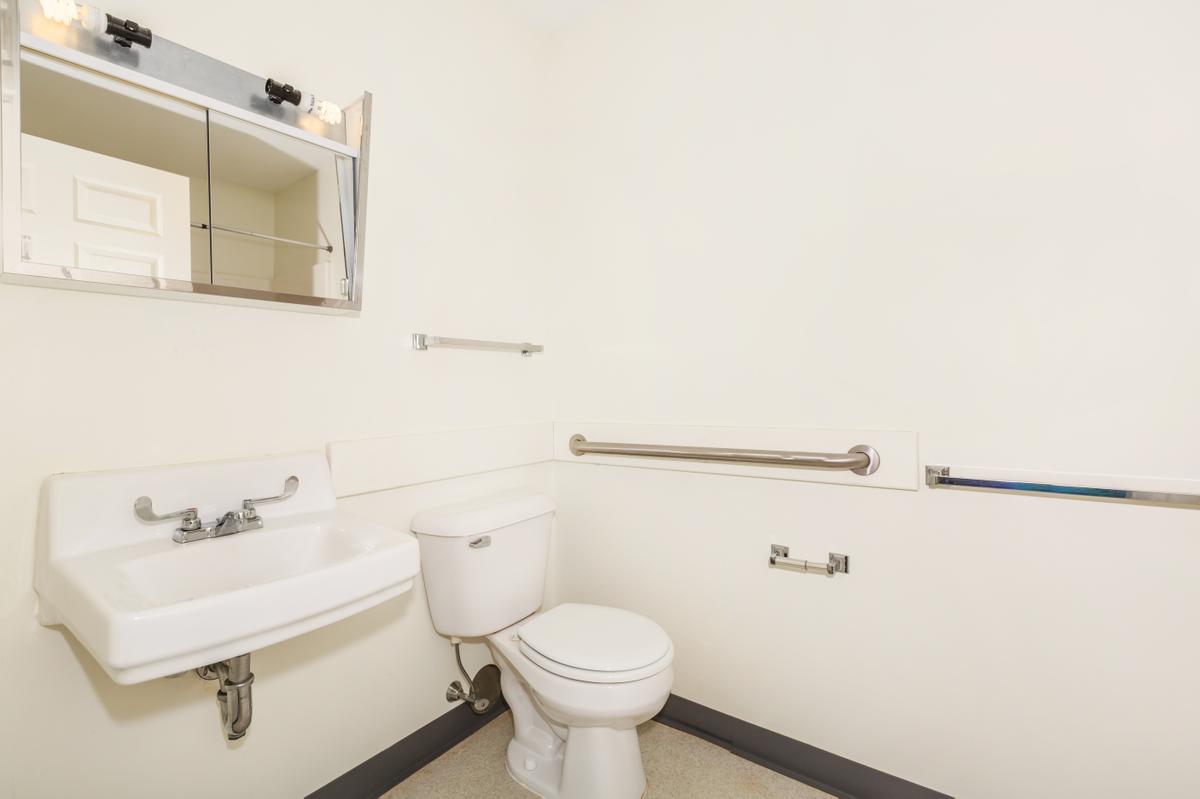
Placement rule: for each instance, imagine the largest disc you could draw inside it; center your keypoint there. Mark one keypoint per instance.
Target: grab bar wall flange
(940, 477)
(860, 459)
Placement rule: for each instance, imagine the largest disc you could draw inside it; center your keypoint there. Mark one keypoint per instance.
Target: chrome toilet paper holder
(837, 563)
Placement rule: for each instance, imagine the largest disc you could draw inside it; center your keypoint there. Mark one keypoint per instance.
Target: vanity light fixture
(125, 32)
(323, 110)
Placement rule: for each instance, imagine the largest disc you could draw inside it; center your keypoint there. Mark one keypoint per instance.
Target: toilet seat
(596, 644)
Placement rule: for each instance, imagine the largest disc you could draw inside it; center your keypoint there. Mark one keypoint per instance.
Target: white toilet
(579, 678)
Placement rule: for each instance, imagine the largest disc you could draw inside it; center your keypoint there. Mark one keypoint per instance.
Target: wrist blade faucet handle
(289, 489)
(189, 518)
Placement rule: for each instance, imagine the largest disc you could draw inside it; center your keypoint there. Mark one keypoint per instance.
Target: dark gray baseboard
(816, 767)
(393, 765)
(823, 770)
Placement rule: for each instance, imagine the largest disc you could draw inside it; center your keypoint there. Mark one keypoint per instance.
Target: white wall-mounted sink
(146, 607)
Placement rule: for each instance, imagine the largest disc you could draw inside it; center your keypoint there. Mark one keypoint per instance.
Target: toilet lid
(596, 638)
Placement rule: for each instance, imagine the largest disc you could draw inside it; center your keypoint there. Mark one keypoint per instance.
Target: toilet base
(602, 762)
(557, 762)
(544, 778)
(595, 763)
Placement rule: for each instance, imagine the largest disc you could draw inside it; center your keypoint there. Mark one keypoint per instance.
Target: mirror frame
(190, 77)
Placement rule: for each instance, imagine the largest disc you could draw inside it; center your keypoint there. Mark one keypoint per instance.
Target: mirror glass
(277, 222)
(114, 178)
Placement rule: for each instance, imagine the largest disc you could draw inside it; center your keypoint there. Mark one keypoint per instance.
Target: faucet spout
(232, 522)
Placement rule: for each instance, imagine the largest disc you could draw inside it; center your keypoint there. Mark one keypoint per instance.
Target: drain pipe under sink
(234, 696)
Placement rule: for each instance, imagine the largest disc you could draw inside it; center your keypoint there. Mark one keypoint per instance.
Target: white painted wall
(970, 220)
(92, 381)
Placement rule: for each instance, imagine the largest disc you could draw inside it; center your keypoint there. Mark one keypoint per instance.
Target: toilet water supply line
(458, 659)
(479, 701)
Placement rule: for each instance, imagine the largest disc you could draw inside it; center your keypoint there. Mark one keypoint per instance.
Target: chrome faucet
(234, 522)
(231, 523)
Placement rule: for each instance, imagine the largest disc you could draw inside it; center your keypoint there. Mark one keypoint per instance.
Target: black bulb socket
(280, 92)
(127, 33)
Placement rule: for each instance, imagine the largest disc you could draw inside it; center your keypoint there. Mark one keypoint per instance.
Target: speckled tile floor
(677, 765)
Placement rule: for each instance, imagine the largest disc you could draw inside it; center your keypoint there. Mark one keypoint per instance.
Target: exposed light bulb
(125, 33)
(63, 12)
(92, 18)
(323, 110)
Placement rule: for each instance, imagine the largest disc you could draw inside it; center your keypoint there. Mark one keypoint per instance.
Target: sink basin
(222, 566)
(146, 607)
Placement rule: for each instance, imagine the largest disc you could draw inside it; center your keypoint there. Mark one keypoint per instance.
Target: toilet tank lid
(482, 515)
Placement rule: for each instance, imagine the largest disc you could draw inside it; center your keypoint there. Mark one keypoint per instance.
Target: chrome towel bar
(423, 341)
(940, 477)
(860, 459)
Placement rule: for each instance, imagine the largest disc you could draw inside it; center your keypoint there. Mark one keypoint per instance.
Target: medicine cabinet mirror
(132, 164)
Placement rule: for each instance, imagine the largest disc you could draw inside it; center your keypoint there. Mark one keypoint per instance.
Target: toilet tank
(484, 561)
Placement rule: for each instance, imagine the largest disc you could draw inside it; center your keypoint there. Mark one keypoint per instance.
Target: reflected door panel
(93, 211)
(114, 177)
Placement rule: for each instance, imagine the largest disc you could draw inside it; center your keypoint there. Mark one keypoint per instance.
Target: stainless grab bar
(423, 341)
(939, 477)
(860, 459)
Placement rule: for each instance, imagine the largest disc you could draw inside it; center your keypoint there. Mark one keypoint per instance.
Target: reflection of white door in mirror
(91, 211)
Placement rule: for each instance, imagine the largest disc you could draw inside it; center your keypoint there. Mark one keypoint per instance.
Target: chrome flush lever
(289, 489)
(144, 508)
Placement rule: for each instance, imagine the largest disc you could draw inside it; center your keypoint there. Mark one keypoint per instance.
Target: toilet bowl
(579, 678)
(575, 722)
